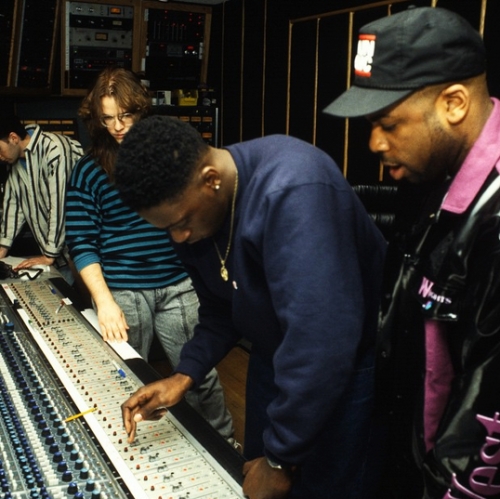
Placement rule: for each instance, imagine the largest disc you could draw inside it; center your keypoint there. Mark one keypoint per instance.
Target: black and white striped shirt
(35, 193)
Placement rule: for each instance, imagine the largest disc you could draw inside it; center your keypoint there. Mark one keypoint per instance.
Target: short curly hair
(156, 161)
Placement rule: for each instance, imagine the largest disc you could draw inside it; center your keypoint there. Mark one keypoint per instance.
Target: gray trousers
(172, 313)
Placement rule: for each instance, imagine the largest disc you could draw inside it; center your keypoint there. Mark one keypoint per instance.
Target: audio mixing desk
(53, 365)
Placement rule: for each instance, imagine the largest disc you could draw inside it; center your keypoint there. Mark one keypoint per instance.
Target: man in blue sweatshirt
(282, 253)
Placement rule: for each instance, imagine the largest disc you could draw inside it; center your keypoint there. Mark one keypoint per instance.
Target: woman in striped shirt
(138, 285)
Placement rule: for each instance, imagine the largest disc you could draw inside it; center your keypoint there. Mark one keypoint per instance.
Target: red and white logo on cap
(364, 58)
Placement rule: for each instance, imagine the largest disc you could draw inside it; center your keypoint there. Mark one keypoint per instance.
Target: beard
(445, 156)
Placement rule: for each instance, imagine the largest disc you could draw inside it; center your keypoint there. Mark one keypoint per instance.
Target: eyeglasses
(126, 118)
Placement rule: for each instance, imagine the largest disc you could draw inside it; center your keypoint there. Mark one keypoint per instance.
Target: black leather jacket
(460, 255)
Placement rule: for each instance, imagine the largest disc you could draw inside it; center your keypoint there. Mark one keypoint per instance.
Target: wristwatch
(289, 469)
(274, 465)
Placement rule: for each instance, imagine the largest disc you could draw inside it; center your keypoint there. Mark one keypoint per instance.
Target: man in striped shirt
(35, 190)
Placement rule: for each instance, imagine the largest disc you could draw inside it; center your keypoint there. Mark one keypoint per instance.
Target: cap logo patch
(364, 57)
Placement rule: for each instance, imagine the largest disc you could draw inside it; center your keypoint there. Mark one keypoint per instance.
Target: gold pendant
(224, 273)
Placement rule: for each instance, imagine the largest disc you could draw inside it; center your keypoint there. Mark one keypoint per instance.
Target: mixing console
(55, 366)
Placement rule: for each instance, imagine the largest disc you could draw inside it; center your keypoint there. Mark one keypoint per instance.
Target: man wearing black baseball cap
(400, 54)
(420, 80)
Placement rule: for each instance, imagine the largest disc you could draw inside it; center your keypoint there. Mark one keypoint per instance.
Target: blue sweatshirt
(305, 270)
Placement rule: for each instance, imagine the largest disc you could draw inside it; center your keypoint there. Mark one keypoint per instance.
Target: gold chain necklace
(223, 271)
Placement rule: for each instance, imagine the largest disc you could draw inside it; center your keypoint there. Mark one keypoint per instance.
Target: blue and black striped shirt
(132, 253)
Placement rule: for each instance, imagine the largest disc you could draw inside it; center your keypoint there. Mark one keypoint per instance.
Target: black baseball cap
(402, 53)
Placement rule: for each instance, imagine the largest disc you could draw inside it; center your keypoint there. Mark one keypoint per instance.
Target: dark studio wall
(249, 68)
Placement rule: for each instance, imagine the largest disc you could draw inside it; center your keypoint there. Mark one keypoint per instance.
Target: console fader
(53, 365)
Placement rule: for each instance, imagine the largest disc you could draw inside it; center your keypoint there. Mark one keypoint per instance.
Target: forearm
(214, 335)
(50, 236)
(93, 278)
(12, 217)
(54, 238)
(111, 318)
